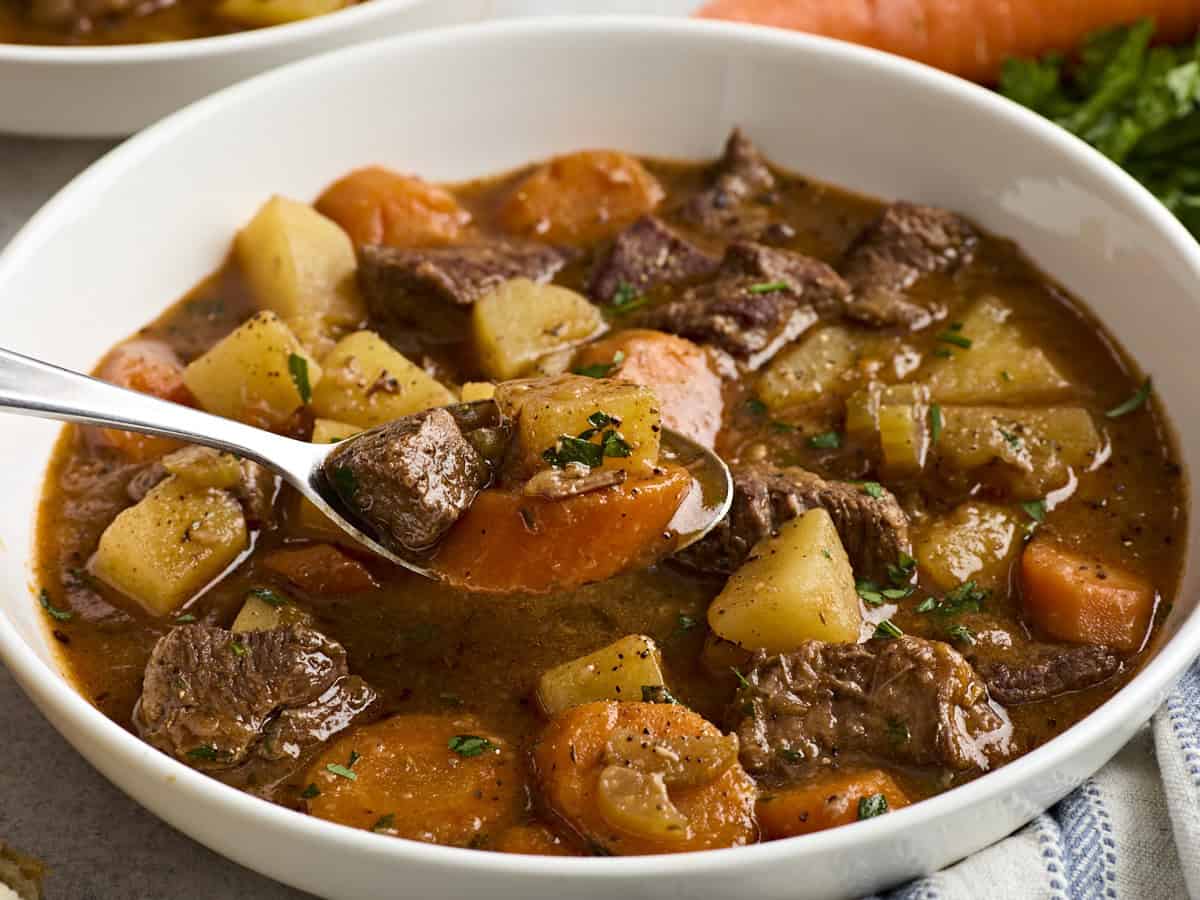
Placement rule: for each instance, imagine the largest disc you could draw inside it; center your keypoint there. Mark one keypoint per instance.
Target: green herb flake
(570, 449)
(825, 553)
(927, 605)
(1035, 509)
(298, 369)
(790, 755)
(966, 598)
(900, 572)
(238, 648)
(887, 629)
(869, 592)
(601, 370)
(469, 745)
(953, 337)
(626, 299)
(1004, 376)
(341, 771)
(204, 751)
(657, 693)
(782, 427)
(829, 440)
(268, 596)
(1011, 439)
(756, 407)
(742, 682)
(961, 633)
(185, 619)
(599, 419)
(897, 731)
(872, 806)
(768, 287)
(1133, 403)
(311, 791)
(943, 353)
(58, 615)
(613, 445)
(384, 822)
(935, 423)
(873, 489)
(685, 623)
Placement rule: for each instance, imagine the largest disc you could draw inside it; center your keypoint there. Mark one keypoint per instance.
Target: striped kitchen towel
(1131, 832)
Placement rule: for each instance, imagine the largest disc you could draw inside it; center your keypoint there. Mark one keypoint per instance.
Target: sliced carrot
(377, 206)
(574, 752)
(581, 197)
(440, 779)
(148, 367)
(826, 802)
(320, 569)
(971, 38)
(1074, 598)
(532, 840)
(677, 370)
(509, 542)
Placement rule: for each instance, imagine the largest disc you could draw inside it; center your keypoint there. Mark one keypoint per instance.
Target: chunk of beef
(892, 253)
(294, 730)
(740, 175)
(645, 254)
(908, 701)
(1048, 671)
(409, 480)
(434, 287)
(145, 480)
(874, 530)
(209, 695)
(761, 299)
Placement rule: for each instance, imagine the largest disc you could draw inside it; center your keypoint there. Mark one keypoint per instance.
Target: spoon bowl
(32, 387)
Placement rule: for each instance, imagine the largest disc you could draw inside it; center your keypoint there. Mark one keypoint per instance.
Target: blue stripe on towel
(1088, 848)
(1050, 844)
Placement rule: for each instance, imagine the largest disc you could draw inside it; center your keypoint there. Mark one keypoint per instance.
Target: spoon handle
(31, 387)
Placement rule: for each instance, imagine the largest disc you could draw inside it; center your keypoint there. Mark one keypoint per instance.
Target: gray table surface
(98, 843)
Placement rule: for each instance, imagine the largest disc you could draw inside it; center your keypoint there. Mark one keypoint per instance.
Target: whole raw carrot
(971, 38)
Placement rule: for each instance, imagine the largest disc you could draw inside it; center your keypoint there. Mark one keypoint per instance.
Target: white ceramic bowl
(115, 91)
(146, 222)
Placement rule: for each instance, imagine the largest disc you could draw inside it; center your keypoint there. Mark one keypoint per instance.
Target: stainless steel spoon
(31, 387)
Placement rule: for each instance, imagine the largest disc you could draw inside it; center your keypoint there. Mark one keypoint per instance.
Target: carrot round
(320, 569)
(971, 38)
(377, 206)
(507, 541)
(1077, 599)
(582, 746)
(148, 367)
(532, 840)
(826, 803)
(440, 779)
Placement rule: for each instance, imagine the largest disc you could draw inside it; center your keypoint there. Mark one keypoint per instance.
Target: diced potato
(978, 541)
(821, 363)
(477, 390)
(521, 321)
(307, 516)
(205, 467)
(167, 547)
(616, 672)
(377, 206)
(259, 614)
(300, 264)
(260, 13)
(259, 374)
(796, 586)
(546, 409)
(1001, 367)
(368, 382)
(1029, 451)
(581, 197)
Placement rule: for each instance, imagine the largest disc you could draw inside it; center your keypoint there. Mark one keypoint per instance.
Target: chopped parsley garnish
(385, 822)
(790, 755)
(960, 632)
(825, 553)
(185, 619)
(1011, 439)
(873, 489)
(341, 771)
(311, 791)
(468, 744)
(829, 440)
(768, 287)
(756, 407)
(1134, 100)
(238, 648)
(1004, 376)
(626, 299)
(897, 731)
(872, 806)
(874, 595)
(782, 427)
(1135, 402)
(204, 751)
(953, 337)
(268, 596)
(935, 423)
(59, 615)
(600, 419)
(1035, 509)
(684, 624)
(901, 571)
(298, 369)
(943, 353)
(887, 629)
(967, 597)
(572, 449)
(601, 370)
(742, 682)
(614, 445)
(344, 481)
(657, 693)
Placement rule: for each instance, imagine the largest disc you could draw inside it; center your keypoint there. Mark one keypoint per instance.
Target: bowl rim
(1136, 701)
(248, 41)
